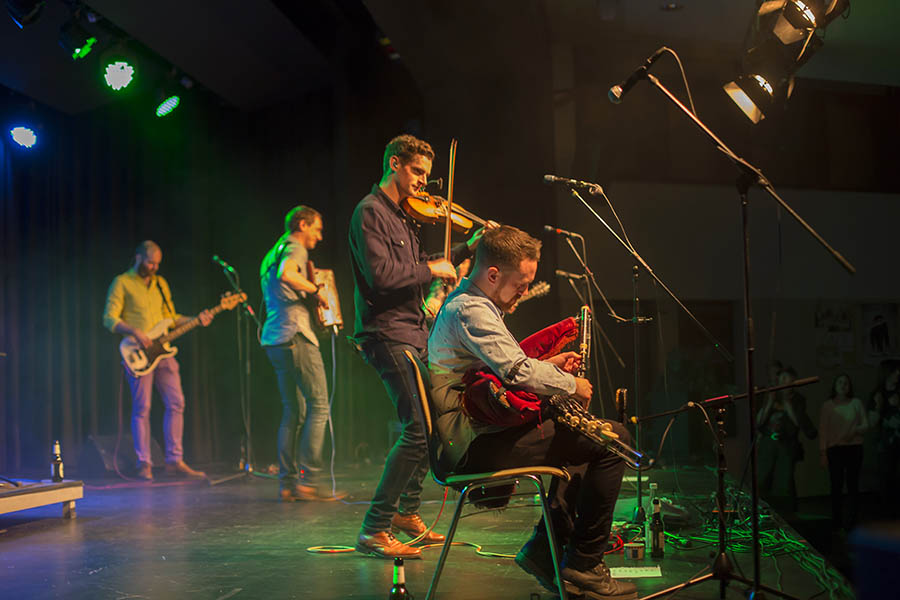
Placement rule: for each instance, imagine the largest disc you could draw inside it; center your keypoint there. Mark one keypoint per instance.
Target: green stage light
(23, 136)
(75, 39)
(167, 106)
(118, 74)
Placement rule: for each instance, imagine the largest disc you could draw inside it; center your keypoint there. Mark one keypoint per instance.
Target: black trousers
(844, 465)
(582, 509)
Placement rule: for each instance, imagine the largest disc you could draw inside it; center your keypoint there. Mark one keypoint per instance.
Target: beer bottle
(398, 591)
(657, 533)
(56, 463)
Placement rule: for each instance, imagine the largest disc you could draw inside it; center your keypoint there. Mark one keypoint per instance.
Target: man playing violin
(470, 333)
(293, 349)
(389, 271)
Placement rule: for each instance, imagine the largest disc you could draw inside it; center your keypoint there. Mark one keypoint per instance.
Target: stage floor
(235, 540)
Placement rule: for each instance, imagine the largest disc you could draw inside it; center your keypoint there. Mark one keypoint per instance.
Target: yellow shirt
(136, 303)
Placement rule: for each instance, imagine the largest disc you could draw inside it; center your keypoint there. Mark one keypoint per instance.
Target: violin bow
(448, 224)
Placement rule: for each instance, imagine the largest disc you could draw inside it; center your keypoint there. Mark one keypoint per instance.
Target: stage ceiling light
(767, 79)
(118, 74)
(75, 39)
(23, 136)
(24, 12)
(168, 105)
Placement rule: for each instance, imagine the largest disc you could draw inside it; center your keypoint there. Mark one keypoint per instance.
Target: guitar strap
(165, 300)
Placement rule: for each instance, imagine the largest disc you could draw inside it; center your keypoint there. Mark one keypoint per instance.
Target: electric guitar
(541, 288)
(141, 361)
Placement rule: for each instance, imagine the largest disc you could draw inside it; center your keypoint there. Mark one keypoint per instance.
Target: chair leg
(551, 535)
(432, 589)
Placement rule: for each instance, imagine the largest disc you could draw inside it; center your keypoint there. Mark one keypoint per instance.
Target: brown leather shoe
(144, 471)
(413, 526)
(179, 468)
(309, 493)
(384, 545)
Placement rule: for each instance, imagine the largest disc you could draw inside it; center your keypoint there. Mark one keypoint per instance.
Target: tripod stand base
(722, 571)
(247, 471)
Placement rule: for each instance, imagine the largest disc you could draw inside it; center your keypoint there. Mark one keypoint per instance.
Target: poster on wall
(835, 342)
(878, 332)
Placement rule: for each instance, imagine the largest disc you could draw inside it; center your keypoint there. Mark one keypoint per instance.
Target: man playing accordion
(470, 337)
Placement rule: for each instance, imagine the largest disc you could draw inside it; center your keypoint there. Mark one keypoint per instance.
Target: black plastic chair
(466, 483)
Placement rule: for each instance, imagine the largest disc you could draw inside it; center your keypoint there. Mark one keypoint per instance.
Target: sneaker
(597, 584)
(413, 526)
(384, 545)
(179, 468)
(534, 558)
(144, 471)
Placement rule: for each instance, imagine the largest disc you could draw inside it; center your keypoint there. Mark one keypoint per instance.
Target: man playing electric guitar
(139, 299)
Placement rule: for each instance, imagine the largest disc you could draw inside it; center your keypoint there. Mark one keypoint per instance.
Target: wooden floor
(236, 540)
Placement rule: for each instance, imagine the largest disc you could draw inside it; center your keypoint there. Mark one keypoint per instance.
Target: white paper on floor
(633, 572)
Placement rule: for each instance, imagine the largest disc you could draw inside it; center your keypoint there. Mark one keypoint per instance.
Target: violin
(431, 209)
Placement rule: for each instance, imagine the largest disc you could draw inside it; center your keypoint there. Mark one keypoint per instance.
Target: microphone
(616, 92)
(592, 188)
(568, 275)
(558, 231)
(222, 263)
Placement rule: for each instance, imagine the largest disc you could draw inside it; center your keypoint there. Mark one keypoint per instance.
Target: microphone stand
(242, 322)
(588, 278)
(639, 515)
(721, 566)
(748, 176)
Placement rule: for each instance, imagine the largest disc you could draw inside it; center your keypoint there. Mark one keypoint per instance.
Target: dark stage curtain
(74, 208)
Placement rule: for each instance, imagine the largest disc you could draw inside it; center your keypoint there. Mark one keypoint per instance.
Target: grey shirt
(286, 308)
(469, 332)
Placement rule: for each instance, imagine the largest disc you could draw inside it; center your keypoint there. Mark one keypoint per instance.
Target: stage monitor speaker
(97, 454)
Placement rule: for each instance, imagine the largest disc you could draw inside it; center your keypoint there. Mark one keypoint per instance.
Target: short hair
(405, 147)
(145, 247)
(298, 214)
(507, 247)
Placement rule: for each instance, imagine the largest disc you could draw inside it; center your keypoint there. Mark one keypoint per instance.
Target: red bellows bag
(488, 401)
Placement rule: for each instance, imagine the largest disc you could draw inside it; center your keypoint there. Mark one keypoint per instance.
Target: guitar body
(141, 361)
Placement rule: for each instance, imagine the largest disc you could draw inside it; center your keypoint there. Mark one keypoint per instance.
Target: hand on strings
(567, 361)
(142, 338)
(205, 317)
(476, 237)
(321, 298)
(443, 269)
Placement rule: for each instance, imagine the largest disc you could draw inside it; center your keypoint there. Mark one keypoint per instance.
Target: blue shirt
(469, 332)
(389, 270)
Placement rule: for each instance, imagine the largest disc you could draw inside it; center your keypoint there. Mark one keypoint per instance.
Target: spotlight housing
(24, 12)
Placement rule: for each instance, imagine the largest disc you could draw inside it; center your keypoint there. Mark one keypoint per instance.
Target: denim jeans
(167, 380)
(304, 398)
(407, 462)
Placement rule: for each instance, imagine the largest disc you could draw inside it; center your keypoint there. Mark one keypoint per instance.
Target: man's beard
(143, 271)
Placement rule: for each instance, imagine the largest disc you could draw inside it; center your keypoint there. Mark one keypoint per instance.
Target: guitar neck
(182, 329)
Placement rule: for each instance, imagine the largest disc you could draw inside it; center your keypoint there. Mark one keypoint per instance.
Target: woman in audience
(842, 423)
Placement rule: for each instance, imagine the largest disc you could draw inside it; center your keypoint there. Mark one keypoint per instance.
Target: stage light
(24, 12)
(167, 106)
(118, 74)
(798, 19)
(75, 39)
(23, 136)
(767, 79)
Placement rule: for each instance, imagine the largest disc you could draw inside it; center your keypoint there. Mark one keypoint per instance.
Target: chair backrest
(426, 405)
